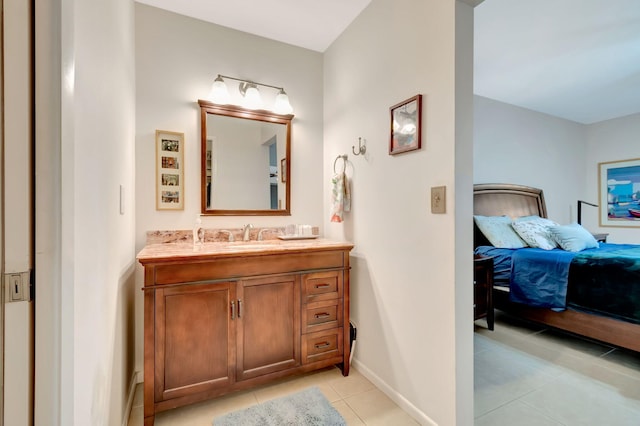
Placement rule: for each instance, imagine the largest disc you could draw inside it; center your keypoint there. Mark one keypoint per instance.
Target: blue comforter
(604, 280)
(607, 282)
(539, 277)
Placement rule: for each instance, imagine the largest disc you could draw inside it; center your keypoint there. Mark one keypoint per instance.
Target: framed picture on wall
(169, 170)
(619, 188)
(406, 131)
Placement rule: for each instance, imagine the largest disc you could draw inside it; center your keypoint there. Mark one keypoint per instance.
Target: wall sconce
(580, 203)
(250, 94)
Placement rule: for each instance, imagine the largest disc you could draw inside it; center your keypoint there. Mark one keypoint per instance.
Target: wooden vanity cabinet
(217, 324)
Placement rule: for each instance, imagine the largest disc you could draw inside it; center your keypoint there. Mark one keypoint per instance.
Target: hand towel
(340, 197)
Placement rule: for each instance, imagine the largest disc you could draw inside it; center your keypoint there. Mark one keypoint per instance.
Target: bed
(611, 327)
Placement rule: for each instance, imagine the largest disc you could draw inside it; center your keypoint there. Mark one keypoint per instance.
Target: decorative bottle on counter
(198, 232)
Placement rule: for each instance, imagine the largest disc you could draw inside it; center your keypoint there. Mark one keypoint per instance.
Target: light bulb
(282, 105)
(252, 99)
(219, 92)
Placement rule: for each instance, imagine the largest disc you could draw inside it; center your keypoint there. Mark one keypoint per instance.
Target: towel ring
(344, 165)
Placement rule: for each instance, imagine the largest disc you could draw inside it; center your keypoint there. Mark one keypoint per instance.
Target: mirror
(245, 161)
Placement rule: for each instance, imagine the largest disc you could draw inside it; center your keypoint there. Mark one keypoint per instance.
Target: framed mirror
(245, 161)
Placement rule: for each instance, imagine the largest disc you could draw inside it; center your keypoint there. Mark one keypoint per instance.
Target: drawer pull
(233, 309)
(322, 315)
(322, 345)
(324, 285)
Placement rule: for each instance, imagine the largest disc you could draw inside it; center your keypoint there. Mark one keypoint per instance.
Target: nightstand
(601, 238)
(483, 289)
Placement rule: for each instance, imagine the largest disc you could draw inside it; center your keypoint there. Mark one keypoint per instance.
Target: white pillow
(573, 237)
(535, 231)
(498, 231)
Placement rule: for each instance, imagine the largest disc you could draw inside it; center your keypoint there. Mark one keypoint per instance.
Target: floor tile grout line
(542, 412)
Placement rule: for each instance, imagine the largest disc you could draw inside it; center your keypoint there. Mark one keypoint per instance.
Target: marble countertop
(181, 250)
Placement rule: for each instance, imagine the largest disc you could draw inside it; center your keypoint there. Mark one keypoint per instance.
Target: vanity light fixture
(250, 94)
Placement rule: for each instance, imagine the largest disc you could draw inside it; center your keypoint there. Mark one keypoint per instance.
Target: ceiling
(312, 24)
(574, 59)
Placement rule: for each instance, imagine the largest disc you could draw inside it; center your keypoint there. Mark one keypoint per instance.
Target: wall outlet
(438, 199)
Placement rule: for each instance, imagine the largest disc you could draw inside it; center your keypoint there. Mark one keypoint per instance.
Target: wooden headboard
(497, 199)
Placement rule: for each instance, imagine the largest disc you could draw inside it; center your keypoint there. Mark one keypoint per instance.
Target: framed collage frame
(169, 170)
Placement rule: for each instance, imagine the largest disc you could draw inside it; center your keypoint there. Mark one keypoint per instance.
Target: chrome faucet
(246, 232)
(260, 238)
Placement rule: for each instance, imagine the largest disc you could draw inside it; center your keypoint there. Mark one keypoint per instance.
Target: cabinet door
(194, 346)
(268, 326)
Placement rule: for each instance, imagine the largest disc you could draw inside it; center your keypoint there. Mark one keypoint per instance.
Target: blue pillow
(499, 231)
(573, 237)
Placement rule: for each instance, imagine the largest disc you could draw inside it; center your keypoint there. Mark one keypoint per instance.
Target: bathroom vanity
(228, 316)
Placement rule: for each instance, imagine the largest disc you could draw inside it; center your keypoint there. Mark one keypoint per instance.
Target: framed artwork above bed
(619, 189)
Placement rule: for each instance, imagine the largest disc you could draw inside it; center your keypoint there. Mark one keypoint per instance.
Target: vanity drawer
(322, 315)
(321, 286)
(322, 345)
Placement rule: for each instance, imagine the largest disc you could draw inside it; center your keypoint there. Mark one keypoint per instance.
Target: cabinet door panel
(193, 350)
(268, 325)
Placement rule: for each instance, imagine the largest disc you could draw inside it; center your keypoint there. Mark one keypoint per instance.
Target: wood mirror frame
(208, 108)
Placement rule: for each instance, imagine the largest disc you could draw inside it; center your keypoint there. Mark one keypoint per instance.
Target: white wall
(102, 239)
(610, 140)
(517, 145)
(403, 282)
(17, 149)
(85, 153)
(176, 61)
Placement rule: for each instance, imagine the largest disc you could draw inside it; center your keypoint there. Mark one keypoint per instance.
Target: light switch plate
(438, 199)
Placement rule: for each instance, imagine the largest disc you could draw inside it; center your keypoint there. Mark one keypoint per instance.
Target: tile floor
(529, 375)
(356, 398)
(525, 375)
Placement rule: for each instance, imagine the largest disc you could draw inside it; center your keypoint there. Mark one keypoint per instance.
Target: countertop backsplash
(217, 235)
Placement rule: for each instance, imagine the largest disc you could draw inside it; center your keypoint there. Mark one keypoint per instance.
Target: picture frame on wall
(619, 193)
(169, 170)
(406, 126)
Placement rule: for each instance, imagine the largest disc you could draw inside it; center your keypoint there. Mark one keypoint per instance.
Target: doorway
(16, 212)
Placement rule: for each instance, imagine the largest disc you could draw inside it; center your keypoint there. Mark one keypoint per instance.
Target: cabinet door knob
(239, 308)
(233, 309)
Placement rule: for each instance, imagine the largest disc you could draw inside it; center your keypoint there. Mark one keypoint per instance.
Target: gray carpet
(308, 407)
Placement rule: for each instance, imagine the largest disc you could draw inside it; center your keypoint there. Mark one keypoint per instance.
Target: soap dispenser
(198, 232)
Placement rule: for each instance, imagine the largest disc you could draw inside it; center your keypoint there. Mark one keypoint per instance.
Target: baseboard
(131, 394)
(402, 402)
